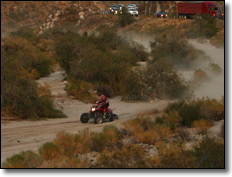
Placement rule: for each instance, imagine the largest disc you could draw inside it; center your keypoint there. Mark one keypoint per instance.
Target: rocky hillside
(42, 15)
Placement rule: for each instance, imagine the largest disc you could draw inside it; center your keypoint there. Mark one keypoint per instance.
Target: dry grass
(202, 126)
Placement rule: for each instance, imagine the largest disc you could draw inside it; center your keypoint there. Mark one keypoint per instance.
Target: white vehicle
(133, 12)
(132, 6)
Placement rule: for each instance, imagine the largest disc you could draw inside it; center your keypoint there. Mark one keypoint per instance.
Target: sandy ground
(17, 136)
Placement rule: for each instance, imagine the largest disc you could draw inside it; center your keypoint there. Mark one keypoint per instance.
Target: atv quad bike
(97, 113)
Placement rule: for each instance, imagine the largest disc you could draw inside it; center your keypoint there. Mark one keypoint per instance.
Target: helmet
(102, 97)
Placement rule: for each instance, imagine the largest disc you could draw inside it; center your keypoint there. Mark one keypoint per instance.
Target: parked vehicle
(120, 6)
(190, 9)
(97, 113)
(112, 8)
(117, 11)
(132, 6)
(161, 15)
(133, 12)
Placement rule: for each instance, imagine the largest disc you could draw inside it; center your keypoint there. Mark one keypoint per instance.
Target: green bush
(139, 51)
(162, 81)
(104, 89)
(191, 112)
(100, 60)
(29, 56)
(26, 33)
(18, 88)
(159, 120)
(209, 154)
(176, 106)
(173, 47)
(108, 139)
(81, 91)
(132, 89)
(131, 156)
(49, 151)
(25, 159)
(44, 107)
(206, 27)
(125, 19)
(215, 68)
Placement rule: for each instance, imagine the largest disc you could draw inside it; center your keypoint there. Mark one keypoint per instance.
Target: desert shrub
(83, 141)
(146, 131)
(206, 27)
(108, 37)
(66, 144)
(174, 48)
(108, 139)
(209, 154)
(104, 89)
(44, 108)
(172, 156)
(49, 151)
(18, 15)
(159, 120)
(27, 33)
(43, 66)
(131, 156)
(215, 68)
(18, 89)
(194, 110)
(93, 59)
(200, 76)
(172, 121)
(183, 133)
(175, 106)
(222, 133)
(125, 19)
(158, 80)
(202, 125)
(81, 90)
(52, 33)
(191, 112)
(132, 89)
(28, 55)
(162, 81)
(25, 159)
(218, 39)
(44, 90)
(139, 51)
(71, 10)
(213, 109)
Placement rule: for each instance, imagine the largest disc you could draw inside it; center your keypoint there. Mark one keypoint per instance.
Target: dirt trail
(17, 136)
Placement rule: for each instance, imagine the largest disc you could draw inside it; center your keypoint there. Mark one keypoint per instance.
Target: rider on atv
(105, 103)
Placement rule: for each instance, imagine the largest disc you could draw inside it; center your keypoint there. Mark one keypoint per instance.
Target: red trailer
(190, 9)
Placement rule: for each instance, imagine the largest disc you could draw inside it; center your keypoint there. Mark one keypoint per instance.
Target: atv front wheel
(84, 118)
(113, 117)
(98, 119)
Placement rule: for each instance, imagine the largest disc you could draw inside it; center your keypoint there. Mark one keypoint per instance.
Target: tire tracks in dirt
(17, 136)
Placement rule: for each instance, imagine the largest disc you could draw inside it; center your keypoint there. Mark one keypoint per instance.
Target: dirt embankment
(17, 136)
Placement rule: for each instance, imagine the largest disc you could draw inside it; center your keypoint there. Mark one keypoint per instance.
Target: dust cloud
(143, 39)
(215, 87)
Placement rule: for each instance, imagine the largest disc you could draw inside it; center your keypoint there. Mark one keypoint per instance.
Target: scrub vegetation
(143, 142)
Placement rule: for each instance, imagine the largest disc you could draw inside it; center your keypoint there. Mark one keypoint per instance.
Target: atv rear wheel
(98, 119)
(113, 117)
(84, 118)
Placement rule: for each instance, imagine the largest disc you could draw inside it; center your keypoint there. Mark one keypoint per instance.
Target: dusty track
(17, 136)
